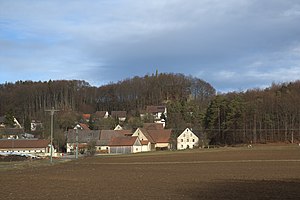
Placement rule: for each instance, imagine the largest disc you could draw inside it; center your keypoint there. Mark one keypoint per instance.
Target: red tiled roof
(125, 132)
(107, 135)
(153, 126)
(160, 136)
(144, 142)
(86, 116)
(12, 143)
(84, 126)
(122, 141)
(145, 132)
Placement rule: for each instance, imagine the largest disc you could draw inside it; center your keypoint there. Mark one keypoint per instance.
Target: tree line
(253, 116)
(28, 99)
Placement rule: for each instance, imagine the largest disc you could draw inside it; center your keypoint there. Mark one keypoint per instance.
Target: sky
(234, 45)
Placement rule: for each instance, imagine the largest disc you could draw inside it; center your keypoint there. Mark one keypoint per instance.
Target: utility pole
(51, 137)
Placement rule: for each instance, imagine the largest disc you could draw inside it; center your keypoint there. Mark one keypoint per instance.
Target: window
(183, 135)
(187, 140)
(181, 140)
(193, 140)
(181, 146)
(191, 135)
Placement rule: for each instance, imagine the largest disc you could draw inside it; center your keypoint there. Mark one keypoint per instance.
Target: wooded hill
(257, 115)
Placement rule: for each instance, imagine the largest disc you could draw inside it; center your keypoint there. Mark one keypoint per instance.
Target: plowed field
(263, 172)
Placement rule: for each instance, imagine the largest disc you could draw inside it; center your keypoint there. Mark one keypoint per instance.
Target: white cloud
(233, 43)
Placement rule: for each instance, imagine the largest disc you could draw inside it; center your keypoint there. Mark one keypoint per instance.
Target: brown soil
(262, 172)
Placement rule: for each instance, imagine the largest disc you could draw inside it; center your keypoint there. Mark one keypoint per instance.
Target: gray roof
(107, 135)
(11, 131)
(84, 136)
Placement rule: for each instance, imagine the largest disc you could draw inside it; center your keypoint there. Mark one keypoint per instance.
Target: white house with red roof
(26, 146)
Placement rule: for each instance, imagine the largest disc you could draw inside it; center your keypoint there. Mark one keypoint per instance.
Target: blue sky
(232, 44)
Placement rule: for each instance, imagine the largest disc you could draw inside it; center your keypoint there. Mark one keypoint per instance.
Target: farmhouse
(28, 146)
(125, 145)
(84, 138)
(153, 139)
(187, 140)
(102, 145)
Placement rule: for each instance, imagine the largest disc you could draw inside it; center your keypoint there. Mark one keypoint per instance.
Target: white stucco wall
(136, 148)
(187, 139)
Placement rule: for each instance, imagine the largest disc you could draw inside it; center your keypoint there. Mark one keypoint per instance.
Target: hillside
(253, 116)
(27, 99)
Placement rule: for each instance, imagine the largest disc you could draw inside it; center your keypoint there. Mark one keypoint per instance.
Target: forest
(253, 116)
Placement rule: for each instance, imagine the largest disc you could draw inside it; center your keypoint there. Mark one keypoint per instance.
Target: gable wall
(187, 139)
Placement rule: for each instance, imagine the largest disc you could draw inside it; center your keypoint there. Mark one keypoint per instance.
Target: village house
(187, 140)
(159, 114)
(101, 115)
(11, 133)
(84, 138)
(36, 125)
(26, 146)
(157, 111)
(102, 146)
(153, 139)
(120, 115)
(81, 126)
(153, 126)
(124, 145)
(118, 128)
